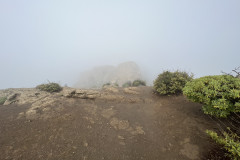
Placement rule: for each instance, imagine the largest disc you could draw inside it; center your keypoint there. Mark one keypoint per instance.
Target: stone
(111, 89)
(131, 90)
(80, 93)
(12, 99)
(68, 92)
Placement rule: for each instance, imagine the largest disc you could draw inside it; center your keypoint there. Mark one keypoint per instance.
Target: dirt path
(142, 127)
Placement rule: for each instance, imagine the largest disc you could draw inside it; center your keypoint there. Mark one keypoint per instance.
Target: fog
(57, 40)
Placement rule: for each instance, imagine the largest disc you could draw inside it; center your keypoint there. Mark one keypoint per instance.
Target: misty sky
(56, 40)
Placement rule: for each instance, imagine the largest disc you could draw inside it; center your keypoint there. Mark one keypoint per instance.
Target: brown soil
(120, 124)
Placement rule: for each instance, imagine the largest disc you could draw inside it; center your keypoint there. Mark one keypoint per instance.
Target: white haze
(57, 40)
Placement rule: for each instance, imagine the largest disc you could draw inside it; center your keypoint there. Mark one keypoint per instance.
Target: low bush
(127, 84)
(171, 82)
(2, 100)
(116, 85)
(220, 95)
(110, 85)
(106, 84)
(229, 141)
(137, 83)
(50, 87)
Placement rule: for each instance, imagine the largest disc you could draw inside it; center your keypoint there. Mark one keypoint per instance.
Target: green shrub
(220, 95)
(2, 100)
(171, 82)
(137, 83)
(50, 87)
(106, 84)
(230, 142)
(110, 84)
(116, 85)
(127, 84)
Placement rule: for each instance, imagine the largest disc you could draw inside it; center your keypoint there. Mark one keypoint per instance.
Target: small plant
(2, 100)
(50, 87)
(106, 84)
(127, 84)
(220, 95)
(171, 82)
(137, 83)
(110, 85)
(115, 85)
(230, 143)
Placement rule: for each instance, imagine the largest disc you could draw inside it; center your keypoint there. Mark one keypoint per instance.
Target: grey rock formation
(80, 93)
(95, 78)
(44, 105)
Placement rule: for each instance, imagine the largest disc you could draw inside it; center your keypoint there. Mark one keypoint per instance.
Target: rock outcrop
(97, 77)
(45, 105)
(80, 93)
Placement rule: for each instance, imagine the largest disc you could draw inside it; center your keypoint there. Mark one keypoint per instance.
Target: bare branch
(225, 73)
(237, 71)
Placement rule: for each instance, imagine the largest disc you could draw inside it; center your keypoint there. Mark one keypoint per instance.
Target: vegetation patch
(50, 87)
(229, 141)
(171, 82)
(2, 100)
(137, 83)
(220, 95)
(106, 84)
(110, 85)
(127, 84)
(116, 85)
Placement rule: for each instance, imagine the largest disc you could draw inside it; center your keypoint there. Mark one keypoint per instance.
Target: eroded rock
(80, 93)
(12, 99)
(111, 89)
(131, 90)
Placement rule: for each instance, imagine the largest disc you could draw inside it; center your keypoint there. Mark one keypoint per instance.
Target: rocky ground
(111, 124)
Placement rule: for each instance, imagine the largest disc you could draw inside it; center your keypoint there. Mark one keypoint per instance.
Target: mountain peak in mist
(96, 77)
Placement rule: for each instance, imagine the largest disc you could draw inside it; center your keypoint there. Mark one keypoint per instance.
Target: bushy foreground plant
(171, 82)
(2, 100)
(50, 87)
(137, 83)
(229, 141)
(220, 95)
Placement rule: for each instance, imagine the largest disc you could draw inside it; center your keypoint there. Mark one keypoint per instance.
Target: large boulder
(98, 76)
